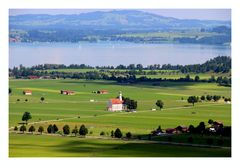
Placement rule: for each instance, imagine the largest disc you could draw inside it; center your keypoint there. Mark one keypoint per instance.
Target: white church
(116, 104)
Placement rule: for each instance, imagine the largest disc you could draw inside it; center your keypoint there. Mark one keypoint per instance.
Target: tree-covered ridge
(113, 19)
(217, 65)
(117, 25)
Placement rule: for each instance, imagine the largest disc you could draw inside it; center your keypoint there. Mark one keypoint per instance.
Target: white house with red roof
(116, 104)
(27, 92)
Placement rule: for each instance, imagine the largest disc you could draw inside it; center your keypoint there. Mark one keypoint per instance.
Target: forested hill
(115, 19)
(218, 64)
(117, 25)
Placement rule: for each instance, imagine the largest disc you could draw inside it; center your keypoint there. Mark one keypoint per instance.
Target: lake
(112, 53)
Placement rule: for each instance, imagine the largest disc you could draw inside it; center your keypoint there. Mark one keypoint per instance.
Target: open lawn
(77, 109)
(57, 146)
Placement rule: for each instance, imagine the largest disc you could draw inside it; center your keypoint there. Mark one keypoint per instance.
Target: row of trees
(215, 98)
(217, 65)
(124, 77)
(220, 129)
(82, 131)
(26, 100)
(31, 129)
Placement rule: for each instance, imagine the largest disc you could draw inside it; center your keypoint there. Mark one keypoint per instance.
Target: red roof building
(102, 91)
(27, 92)
(116, 104)
(33, 77)
(170, 130)
(67, 92)
(116, 101)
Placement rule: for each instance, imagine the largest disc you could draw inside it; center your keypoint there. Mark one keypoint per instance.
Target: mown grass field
(55, 146)
(170, 35)
(94, 115)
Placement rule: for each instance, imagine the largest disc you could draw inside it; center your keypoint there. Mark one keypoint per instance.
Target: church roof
(116, 101)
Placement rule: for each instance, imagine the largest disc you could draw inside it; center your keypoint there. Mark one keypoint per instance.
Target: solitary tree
(216, 98)
(26, 116)
(160, 104)
(118, 133)
(15, 128)
(192, 99)
(23, 128)
(191, 129)
(129, 135)
(210, 121)
(40, 129)
(102, 133)
(55, 128)
(209, 97)
(83, 130)
(131, 104)
(50, 129)
(75, 131)
(188, 78)
(31, 129)
(112, 133)
(201, 127)
(42, 99)
(202, 98)
(197, 78)
(26, 100)
(227, 99)
(10, 90)
(159, 128)
(66, 129)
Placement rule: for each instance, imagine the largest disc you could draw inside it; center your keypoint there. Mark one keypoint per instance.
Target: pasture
(55, 146)
(78, 109)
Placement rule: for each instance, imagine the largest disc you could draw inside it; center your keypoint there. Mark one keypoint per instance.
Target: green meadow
(78, 109)
(54, 146)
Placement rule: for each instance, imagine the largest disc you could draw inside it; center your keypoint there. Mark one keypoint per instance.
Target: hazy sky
(204, 14)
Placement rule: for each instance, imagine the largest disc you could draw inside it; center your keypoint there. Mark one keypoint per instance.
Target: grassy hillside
(77, 109)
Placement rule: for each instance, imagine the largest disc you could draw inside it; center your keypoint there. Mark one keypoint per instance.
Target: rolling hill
(115, 19)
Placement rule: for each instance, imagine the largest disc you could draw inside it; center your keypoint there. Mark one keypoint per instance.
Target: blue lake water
(114, 53)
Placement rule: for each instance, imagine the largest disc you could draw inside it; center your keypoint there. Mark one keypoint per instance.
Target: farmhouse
(27, 92)
(102, 91)
(67, 92)
(170, 130)
(33, 77)
(116, 104)
(181, 129)
(217, 125)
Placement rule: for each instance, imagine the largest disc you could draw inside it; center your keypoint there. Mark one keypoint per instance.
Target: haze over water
(113, 54)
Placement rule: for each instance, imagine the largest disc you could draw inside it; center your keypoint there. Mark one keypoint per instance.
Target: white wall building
(115, 104)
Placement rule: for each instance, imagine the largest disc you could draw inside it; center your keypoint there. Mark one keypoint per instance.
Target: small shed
(33, 77)
(102, 91)
(27, 92)
(67, 92)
